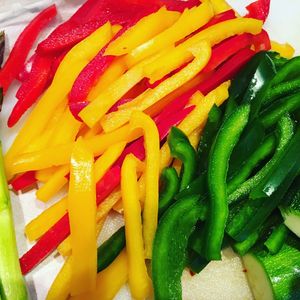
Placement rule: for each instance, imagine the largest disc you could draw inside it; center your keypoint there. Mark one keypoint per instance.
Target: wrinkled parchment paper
(220, 280)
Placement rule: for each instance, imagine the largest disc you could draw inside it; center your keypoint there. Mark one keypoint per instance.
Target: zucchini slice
(274, 276)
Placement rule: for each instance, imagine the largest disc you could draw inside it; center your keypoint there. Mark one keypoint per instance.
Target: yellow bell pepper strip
(142, 31)
(152, 147)
(61, 286)
(92, 113)
(112, 73)
(45, 174)
(109, 281)
(65, 248)
(60, 155)
(82, 216)
(38, 226)
(285, 50)
(66, 130)
(219, 6)
(118, 118)
(194, 137)
(42, 141)
(139, 281)
(189, 21)
(57, 181)
(91, 132)
(70, 67)
(199, 115)
(213, 35)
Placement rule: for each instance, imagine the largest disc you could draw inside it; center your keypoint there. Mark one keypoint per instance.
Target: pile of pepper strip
(110, 84)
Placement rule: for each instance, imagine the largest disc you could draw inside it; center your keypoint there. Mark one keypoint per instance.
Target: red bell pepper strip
(24, 181)
(226, 49)
(262, 41)
(54, 236)
(61, 230)
(179, 5)
(19, 53)
(226, 71)
(259, 10)
(24, 73)
(90, 17)
(31, 88)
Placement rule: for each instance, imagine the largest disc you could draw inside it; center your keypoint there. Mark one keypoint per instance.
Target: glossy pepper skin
(170, 184)
(181, 149)
(169, 250)
(226, 139)
(23, 45)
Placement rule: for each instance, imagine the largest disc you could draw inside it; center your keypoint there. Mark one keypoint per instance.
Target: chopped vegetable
(12, 283)
(19, 53)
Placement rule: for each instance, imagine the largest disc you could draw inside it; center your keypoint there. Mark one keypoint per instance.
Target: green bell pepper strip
(278, 60)
(265, 197)
(170, 183)
(169, 248)
(240, 83)
(286, 131)
(245, 170)
(182, 149)
(110, 249)
(196, 263)
(289, 71)
(211, 128)
(277, 238)
(282, 89)
(261, 233)
(220, 152)
(282, 106)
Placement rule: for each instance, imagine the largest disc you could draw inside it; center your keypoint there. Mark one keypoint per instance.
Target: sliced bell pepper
(224, 16)
(23, 45)
(31, 88)
(213, 35)
(181, 149)
(220, 152)
(90, 17)
(259, 9)
(188, 22)
(60, 288)
(223, 51)
(139, 281)
(151, 142)
(285, 50)
(108, 97)
(220, 6)
(262, 41)
(54, 184)
(67, 72)
(115, 120)
(45, 174)
(60, 230)
(110, 280)
(83, 234)
(24, 181)
(113, 72)
(142, 31)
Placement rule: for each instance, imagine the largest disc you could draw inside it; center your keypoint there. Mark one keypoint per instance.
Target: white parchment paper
(220, 280)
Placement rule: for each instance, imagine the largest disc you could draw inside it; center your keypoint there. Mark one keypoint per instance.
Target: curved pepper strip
(188, 22)
(144, 30)
(285, 50)
(170, 183)
(213, 35)
(31, 88)
(259, 9)
(181, 149)
(151, 141)
(23, 45)
(169, 251)
(139, 281)
(83, 234)
(225, 141)
(202, 53)
(67, 72)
